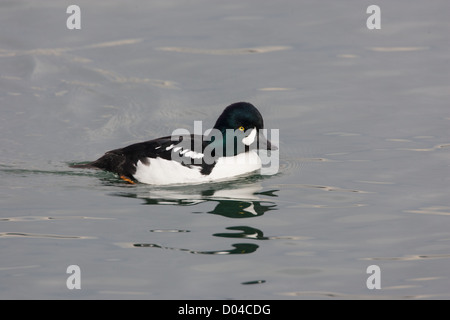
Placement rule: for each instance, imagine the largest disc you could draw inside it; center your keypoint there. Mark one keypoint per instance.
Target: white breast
(237, 165)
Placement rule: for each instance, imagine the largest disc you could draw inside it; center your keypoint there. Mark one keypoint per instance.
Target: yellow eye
(241, 128)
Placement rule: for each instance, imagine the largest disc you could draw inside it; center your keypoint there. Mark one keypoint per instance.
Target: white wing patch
(185, 152)
(193, 154)
(188, 153)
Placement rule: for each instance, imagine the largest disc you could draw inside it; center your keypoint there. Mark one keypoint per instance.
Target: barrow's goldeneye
(228, 150)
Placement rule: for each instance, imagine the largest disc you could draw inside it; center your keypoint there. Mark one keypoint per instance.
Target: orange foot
(127, 179)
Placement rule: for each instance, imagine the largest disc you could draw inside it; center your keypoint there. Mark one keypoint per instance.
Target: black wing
(123, 161)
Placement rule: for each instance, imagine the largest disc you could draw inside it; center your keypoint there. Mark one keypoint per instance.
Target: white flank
(161, 171)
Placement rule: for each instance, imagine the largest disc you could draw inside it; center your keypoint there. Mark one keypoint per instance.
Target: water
(364, 146)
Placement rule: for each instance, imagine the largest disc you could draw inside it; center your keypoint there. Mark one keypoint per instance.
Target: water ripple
(340, 295)
(236, 51)
(40, 236)
(411, 257)
(44, 218)
(436, 210)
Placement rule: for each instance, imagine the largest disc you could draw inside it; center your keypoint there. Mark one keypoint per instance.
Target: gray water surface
(364, 122)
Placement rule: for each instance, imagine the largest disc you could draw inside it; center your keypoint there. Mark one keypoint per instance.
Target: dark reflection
(244, 198)
(253, 282)
(246, 232)
(241, 209)
(239, 248)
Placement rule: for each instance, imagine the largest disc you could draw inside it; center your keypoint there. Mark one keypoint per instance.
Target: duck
(228, 150)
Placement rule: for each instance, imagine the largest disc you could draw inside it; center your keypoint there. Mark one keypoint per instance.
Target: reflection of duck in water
(246, 232)
(241, 209)
(239, 248)
(238, 200)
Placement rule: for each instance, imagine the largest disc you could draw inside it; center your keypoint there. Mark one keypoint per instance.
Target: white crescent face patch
(248, 140)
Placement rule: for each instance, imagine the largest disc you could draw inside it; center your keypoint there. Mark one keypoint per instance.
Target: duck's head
(246, 121)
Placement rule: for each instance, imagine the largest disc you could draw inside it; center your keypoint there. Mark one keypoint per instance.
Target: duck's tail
(89, 165)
